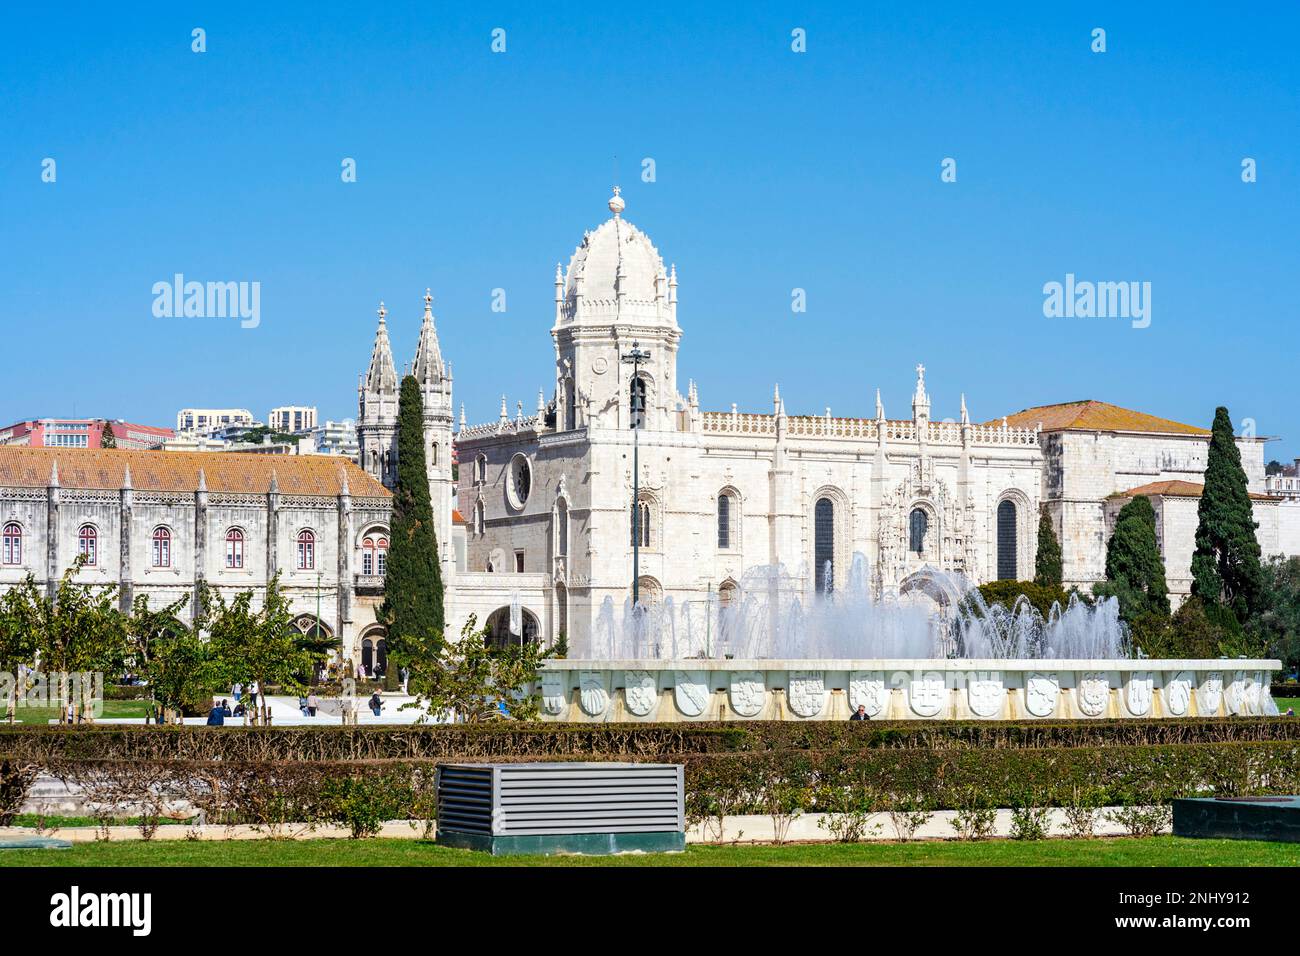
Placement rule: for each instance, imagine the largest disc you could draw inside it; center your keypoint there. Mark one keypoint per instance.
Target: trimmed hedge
(277, 794)
(593, 741)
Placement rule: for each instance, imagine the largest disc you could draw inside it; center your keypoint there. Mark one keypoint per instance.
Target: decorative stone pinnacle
(382, 311)
(616, 203)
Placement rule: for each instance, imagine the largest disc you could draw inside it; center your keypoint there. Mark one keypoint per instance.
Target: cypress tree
(412, 609)
(1134, 571)
(106, 438)
(1225, 567)
(1047, 561)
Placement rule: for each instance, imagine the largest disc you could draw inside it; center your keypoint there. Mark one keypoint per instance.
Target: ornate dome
(616, 274)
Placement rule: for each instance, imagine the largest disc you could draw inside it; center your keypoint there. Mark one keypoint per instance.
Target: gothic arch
(840, 536)
(734, 525)
(932, 552)
(1023, 529)
(498, 627)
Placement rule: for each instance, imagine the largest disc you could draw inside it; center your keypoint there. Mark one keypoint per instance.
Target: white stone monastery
(540, 514)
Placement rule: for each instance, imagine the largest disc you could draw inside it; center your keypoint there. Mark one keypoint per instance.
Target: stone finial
(54, 473)
(428, 301)
(126, 477)
(519, 412)
(504, 414)
(462, 416)
(203, 481)
(965, 416)
(275, 483)
(541, 406)
(381, 311)
(880, 407)
(344, 490)
(616, 203)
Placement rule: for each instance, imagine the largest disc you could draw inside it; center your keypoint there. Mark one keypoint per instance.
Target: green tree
(1277, 622)
(473, 680)
(17, 646)
(106, 438)
(78, 632)
(1226, 566)
(1047, 560)
(171, 657)
(259, 645)
(412, 610)
(1135, 572)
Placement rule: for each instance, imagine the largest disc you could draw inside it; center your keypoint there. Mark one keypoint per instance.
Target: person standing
(860, 713)
(376, 705)
(313, 704)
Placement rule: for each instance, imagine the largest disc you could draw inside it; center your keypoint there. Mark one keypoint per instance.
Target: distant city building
(203, 420)
(1286, 483)
(81, 433)
(294, 419)
(337, 438)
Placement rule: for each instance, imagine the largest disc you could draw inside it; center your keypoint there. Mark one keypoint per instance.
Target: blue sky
(775, 170)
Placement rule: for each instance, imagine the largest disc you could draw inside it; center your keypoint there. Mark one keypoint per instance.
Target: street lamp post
(637, 407)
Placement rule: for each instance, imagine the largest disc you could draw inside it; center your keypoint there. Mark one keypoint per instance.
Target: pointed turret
(381, 375)
(428, 368)
(965, 416)
(880, 407)
(920, 398)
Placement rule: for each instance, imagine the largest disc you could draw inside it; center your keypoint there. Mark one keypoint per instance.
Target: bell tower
(377, 409)
(434, 378)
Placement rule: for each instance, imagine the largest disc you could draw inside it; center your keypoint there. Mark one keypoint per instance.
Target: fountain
(937, 650)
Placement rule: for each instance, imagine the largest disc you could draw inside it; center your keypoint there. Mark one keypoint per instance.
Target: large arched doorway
(498, 628)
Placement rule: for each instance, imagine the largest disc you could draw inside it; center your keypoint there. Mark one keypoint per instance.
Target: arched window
(1007, 540)
(306, 551)
(641, 523)
(162, 548)
(918, 523)
(727, 594)
(234, 549)
(368, 556)
(480, 468)
(433, 454)
(381, 556)
(725, 527)
(637, 395)
(88, 543)
(13, 544)
(824, 545)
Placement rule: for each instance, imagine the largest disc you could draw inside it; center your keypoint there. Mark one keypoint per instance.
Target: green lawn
(1153, 851)
(112, 708)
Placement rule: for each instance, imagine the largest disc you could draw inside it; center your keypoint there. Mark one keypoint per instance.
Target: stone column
(125, 580)
(272, 527)
(345, 589)
(52, 532)
(200, 539)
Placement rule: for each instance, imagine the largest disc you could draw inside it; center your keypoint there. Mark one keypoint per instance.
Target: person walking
(313, 704)
(217, 716)
(376, 705)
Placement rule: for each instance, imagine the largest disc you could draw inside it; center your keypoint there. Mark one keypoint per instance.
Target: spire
(344, 490)
(965, 416)
(920, 400)
(203, 481)
(126, 477)
(462, 416)
(428, 368)
(381, 375)
(776, 398)
(54, 473)
(275, 482)
(880, 407)
(504, 415)
(541, 407)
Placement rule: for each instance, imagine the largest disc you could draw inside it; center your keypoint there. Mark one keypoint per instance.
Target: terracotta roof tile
(1096, 416)
(233, 472)
(1174, 488)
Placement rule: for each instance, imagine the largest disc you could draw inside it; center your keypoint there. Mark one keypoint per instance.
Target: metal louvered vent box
(508, 808)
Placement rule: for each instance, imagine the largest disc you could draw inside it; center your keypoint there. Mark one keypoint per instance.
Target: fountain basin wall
(648, 690)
